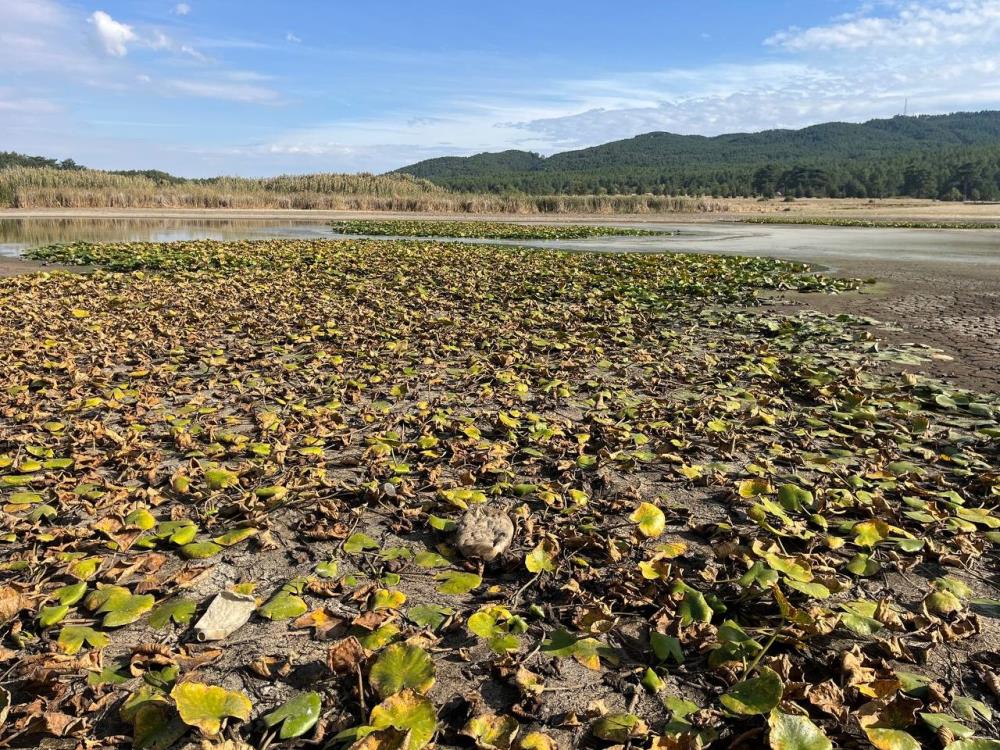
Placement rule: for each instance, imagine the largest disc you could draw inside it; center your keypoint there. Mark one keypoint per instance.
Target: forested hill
(949, 156)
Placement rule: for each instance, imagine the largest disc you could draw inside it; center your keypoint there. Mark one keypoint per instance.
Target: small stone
(228, 612)
(389, 489)
(484, 533)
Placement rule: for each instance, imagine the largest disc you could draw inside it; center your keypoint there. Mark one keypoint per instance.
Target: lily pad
(792, 732)
(619, 727)
(758, 695)
(178, 609)
(429, 615)
(455, 582)
(649, 519)
(891, 739)
(401, 666)
(542, 558)
(72, 637)
(296, 716)
(408, 713)
(206, 706)
(492, 731)
(284, 605)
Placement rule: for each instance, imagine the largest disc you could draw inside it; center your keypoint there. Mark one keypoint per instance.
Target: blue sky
(250, 87)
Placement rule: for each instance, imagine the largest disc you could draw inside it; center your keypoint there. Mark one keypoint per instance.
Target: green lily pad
(359, 543)
(178, 609)
(296, 716)
(118, 605)
(402, 666)
(619, 728)
(72, 637)
(455, 582)
(49, 616)
(666, 647)
(283, 606)
(221, 479)
(429, 616)
(791, 732)
(427, 559)
(200, 550)
(757, 695)
(235, 536)
(409, 713)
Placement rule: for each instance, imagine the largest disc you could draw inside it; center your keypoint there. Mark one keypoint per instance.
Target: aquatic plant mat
(492, 230)
(833, 221)
(731, 528)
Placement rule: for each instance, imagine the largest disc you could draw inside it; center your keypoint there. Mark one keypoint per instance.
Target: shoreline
(739, 209)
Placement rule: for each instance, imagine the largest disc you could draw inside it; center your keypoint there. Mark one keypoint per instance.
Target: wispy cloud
(104, 52)
(223, 90)
(11, 102)
(115, 37)
(944, 55)
(915, 25)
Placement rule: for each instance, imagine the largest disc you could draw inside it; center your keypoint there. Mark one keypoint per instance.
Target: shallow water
(17, 235)
(834, 247)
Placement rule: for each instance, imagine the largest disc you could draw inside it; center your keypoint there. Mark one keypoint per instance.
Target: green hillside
(952, 156)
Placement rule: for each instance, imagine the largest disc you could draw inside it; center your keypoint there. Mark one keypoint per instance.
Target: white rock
(484, 533)
(228, 612)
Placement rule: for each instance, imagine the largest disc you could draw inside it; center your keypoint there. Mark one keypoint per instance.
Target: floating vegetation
(730, 526)
(489, 230)
(870, 223)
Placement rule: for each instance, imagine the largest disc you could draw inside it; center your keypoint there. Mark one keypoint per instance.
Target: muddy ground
(950, 308)
(954, 310)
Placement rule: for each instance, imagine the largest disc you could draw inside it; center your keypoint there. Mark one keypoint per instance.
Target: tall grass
(30, 187)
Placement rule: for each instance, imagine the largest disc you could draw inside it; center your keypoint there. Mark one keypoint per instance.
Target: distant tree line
(948, 174)
(14, 159)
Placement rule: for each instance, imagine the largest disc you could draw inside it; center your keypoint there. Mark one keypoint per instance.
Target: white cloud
(182, 9)
(24, 12)
(225, 90)
(157, 40)
(915, 25)
(112, 35)
(115, 37)
(942, 54)
(40, 36)
(708, 100)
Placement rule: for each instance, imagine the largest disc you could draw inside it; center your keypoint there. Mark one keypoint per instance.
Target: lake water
(834, 247)
(17, 235)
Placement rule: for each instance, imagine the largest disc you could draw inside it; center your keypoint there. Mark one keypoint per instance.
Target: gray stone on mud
(484, 533)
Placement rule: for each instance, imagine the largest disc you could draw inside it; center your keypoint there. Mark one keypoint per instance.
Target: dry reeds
(33, 187)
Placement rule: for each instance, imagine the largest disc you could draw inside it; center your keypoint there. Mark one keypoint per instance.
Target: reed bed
(22, 187)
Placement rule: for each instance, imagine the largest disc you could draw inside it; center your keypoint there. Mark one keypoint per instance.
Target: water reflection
(19, 234)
